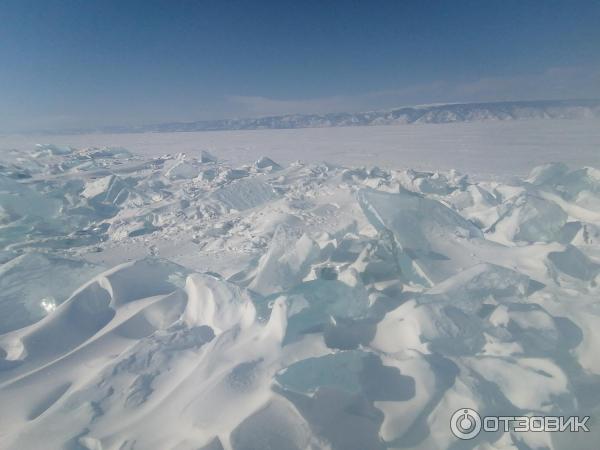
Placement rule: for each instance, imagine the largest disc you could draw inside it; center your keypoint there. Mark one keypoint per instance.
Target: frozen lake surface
(501, 148)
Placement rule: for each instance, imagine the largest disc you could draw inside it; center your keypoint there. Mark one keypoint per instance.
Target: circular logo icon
(465, 423)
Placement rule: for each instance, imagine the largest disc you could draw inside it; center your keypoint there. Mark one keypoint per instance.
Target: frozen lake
(178, 303)
(501, 148)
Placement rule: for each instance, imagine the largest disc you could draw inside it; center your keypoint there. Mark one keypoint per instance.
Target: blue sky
(91, 63)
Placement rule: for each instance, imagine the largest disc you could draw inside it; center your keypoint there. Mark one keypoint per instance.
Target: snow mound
(33, 284)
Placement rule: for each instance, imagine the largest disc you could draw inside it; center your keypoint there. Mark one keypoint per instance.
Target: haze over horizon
(70, 64)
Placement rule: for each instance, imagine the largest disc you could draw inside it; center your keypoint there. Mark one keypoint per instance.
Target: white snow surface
(478, 148)
(185, 301)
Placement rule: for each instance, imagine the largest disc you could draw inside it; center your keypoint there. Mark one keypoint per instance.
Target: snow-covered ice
(477, 148)
(191, 301)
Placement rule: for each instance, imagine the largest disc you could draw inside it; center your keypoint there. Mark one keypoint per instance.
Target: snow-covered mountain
(439, 113)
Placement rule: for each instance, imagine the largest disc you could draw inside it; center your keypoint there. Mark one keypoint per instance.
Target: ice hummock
(189, 303)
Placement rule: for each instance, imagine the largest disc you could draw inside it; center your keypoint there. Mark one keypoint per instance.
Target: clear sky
(92, 63)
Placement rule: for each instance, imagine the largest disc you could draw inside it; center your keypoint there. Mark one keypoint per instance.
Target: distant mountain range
(438, 113)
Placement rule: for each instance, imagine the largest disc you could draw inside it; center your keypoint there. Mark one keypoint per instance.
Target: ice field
(510, 147)
(350, 290)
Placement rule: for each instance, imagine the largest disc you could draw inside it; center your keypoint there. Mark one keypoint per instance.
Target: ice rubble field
(185, 303)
